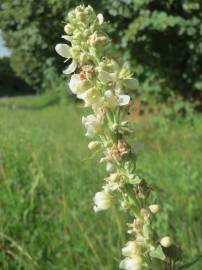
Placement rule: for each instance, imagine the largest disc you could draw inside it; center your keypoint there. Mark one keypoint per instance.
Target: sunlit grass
(48, 180)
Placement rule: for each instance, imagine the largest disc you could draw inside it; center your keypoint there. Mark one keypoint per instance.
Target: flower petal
(100, 18)
(129, 264)
(66, 37)
(131, 83)
(63, 50)
(82, 96)
(105, 76)
(123, 100)
(74, 83)
(71, 68)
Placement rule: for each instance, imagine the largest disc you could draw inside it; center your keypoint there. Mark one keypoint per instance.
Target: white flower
(65, 51)
(130, 249)
(109, 167)
(134, 263)
(92, 124)
(75, 83)
(78, 86)
(92, 98)
(123, 100)
(102, 201)
(113, 100)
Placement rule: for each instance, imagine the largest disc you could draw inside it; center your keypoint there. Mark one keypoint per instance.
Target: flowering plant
(102, 83)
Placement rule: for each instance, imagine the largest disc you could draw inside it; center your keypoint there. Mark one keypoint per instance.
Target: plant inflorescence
(104, 82)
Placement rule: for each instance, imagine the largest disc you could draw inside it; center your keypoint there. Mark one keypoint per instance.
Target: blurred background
(48, 180)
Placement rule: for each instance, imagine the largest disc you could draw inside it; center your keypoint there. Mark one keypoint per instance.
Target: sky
(3, 50)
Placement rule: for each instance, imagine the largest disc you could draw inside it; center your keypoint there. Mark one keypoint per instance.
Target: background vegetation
(48, 180)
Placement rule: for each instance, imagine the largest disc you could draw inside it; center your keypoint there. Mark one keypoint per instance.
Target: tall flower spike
(101, 82)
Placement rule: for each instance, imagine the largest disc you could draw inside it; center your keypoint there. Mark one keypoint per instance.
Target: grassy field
(48, 180)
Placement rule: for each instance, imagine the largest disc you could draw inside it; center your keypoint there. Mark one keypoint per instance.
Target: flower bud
(97, 40)
(78, 36)
(100, 18)
(88, 10)
(80, 16)
(84, 57)
(154, 208)
(93, 145)
(69, 29)
(75, 52)
(109, 167)
(86, 32)
(71, 15)
(166, 242)
(102, 200)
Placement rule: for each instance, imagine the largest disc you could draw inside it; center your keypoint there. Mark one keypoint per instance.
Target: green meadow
(48, 179)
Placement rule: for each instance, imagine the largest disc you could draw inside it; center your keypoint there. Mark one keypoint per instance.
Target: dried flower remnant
(117, 151)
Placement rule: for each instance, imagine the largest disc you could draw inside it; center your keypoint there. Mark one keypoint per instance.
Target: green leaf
(158, 253)
(188, 265)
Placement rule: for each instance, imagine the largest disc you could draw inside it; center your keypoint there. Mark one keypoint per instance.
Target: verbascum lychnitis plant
(102, 82)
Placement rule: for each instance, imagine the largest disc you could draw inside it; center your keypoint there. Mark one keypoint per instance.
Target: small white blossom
(109, 167)
(92, 124)
(123, 100)
(75, 83)
(113, 100)
(78, 86)
(65, 51)
(92, 98)
(134, 263)
(130, 249)
(102, 201)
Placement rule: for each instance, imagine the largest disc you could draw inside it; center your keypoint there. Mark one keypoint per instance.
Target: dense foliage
(161, 39)
(30, 30)
(10, 84)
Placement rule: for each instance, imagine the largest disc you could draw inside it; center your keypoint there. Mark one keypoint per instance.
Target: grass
(48, 180)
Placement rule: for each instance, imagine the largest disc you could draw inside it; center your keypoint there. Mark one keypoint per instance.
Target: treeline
(161, 39)
(10, 84)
